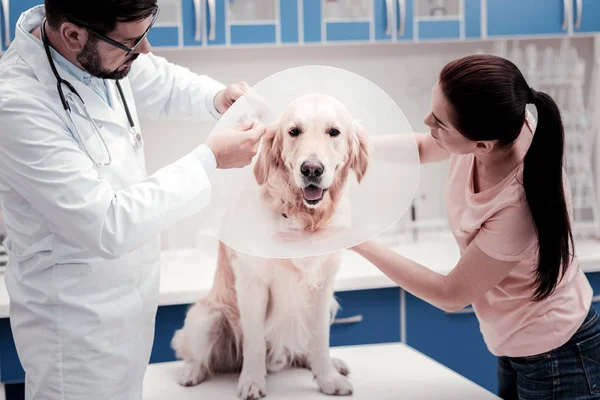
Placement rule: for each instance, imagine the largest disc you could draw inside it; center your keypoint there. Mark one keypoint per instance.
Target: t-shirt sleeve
(508, 234)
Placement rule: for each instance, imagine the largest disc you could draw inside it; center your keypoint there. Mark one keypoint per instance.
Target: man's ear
(359, 151)
(269, 156)
(73, 36)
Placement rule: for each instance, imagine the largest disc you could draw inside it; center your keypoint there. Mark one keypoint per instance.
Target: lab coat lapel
(98, 109)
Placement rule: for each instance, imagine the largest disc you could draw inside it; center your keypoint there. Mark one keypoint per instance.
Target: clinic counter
(188, 274)
(382, 372)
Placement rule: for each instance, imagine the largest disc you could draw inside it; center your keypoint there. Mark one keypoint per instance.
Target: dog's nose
(311, 169)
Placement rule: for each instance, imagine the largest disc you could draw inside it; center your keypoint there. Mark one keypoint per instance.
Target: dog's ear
(360, 152)
(270, 154)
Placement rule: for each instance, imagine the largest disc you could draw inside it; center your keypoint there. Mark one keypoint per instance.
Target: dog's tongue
(312, 192)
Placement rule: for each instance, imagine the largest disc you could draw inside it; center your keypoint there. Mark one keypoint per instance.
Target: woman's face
(444, 134)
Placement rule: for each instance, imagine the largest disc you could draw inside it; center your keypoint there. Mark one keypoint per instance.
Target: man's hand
(236, 146)
(226, 97)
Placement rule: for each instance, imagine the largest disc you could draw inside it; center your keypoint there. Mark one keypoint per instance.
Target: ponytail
(543, 183)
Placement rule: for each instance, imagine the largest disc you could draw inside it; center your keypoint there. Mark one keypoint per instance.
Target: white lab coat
(83, 241)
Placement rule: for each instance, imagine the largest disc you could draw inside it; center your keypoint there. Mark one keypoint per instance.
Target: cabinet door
(11, 370)
(253, 21)
(385, 23)
(215, 22)
(452, 339)
(11, 12)
(586, 16)
(165, 32)
(288, 20)
(192, 16)
(527, 18)
(405, 19)
(438, 19)
(367, 317)
(473, 18)
(347, 20)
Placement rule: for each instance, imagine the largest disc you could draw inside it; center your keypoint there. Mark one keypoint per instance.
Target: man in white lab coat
(83, 217)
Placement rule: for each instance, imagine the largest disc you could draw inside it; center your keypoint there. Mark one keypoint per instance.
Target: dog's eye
(294, 132)
(334, 132)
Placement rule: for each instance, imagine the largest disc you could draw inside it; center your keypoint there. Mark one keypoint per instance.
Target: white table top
(382, 372)
(188, 274)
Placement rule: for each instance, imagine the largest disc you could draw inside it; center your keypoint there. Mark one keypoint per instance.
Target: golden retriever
(268, 314)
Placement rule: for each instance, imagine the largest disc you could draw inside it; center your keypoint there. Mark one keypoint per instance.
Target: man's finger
(258, 132)
(236, 92)
(245, 125)
(244, 86)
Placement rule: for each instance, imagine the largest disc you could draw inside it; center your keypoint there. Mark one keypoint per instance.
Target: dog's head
(310, 151)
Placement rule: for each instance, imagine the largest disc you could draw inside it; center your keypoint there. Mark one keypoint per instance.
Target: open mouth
(313, 194)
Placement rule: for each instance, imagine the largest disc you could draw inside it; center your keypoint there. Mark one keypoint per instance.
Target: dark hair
(103, 18)
(490, 92)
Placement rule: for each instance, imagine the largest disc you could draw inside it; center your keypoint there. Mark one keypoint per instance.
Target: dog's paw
(340, 366)
(252, 389)
(276, 365)
(336, 385)
(191, 374)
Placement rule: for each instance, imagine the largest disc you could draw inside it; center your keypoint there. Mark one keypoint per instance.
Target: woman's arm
(474, 275)
(392, 147)
(429, 151)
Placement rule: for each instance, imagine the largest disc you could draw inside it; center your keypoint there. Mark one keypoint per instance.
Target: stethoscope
(74, 97)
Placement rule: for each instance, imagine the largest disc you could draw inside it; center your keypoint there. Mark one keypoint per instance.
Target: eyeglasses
(106, 39)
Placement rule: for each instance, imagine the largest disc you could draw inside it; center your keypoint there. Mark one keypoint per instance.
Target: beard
(92, 63)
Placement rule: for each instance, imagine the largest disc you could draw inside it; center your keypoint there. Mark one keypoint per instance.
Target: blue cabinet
(527, 18)
(452, 339)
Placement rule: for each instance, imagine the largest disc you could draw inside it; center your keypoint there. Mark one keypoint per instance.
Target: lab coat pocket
(34, 259)
(589, 352)
(100, 305)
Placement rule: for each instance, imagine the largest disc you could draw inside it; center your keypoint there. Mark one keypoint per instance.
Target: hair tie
(532, 96)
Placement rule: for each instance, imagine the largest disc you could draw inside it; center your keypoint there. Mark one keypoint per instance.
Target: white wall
(405, 72)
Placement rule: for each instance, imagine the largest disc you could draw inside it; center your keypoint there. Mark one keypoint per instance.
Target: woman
(508, 205)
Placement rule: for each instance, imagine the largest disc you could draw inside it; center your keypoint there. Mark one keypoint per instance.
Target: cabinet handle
(213, 19)
(348, 320)
(198, 20)
(6, 7)
(466, 310)
(566, 13)
(402, 7)
(579, 13)
(389, 9)
(596, 298)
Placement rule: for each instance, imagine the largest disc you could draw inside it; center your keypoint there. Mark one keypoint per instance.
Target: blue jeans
(569, 372)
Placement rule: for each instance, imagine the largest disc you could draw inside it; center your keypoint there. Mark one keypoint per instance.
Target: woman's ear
(359, 151)
(484, 147)
(269, 155)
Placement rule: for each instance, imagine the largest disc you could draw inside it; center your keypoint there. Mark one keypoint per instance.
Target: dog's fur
(268, 314)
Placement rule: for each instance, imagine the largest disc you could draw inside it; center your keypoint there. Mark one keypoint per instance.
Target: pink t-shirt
(498, 220)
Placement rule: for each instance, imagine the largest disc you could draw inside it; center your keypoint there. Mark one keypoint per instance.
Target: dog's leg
(252, 297)
(193, 343)
(328, 372)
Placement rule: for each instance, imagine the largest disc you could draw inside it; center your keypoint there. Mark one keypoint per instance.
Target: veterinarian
(508, 203)
(83, 217)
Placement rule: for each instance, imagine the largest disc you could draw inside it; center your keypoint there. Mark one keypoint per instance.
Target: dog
(263, 315)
